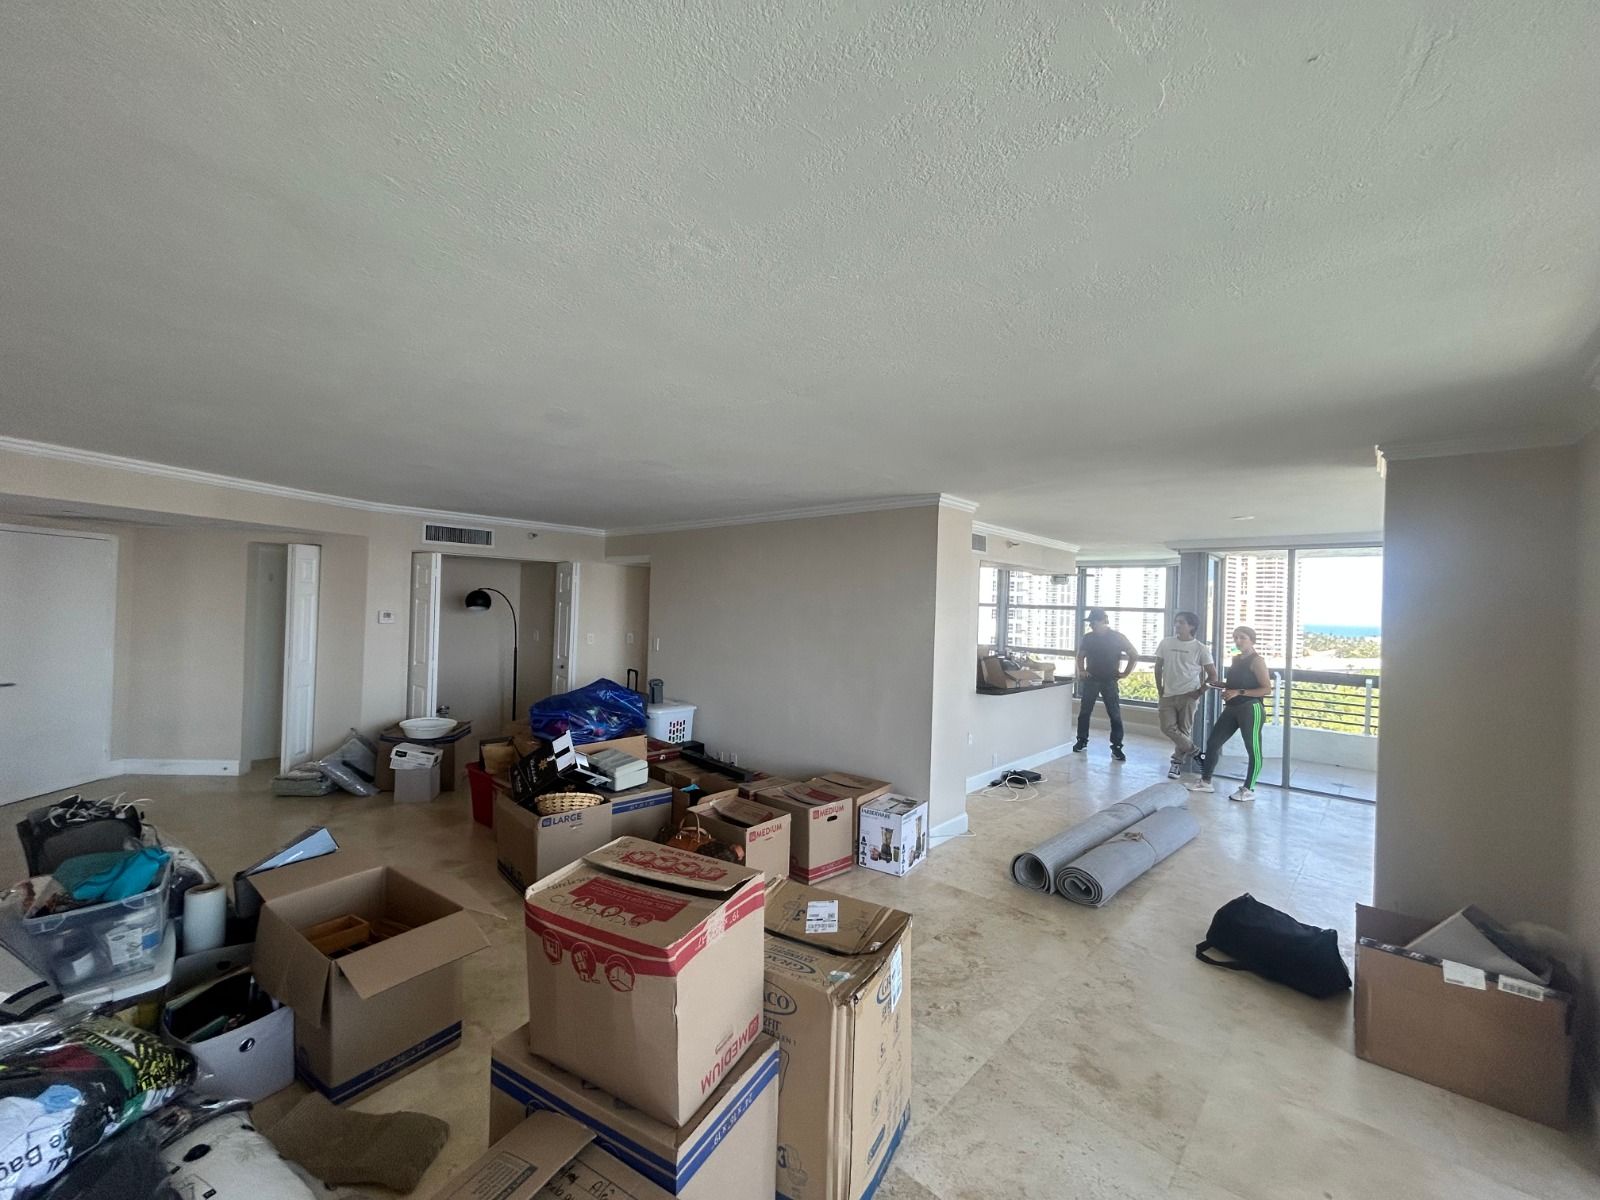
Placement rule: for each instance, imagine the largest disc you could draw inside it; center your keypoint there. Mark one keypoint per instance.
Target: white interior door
(58, 595)
(300, 653)
(422, 674)
(565, 646)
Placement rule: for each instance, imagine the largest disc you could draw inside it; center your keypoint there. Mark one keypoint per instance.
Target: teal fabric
(94, 878)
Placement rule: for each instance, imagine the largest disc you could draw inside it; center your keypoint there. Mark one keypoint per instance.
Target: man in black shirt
(1100, 655)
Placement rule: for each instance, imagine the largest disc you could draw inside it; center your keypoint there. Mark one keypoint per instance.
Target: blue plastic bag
(596, 713)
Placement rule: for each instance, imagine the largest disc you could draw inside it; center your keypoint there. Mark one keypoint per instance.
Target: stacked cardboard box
(644, 989)
(837, 982)
(823, 838)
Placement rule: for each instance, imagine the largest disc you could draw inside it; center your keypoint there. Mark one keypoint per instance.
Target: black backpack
(1275, 946)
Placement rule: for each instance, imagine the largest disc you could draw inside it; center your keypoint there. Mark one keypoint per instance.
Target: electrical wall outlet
(970, 739)
(386, 616)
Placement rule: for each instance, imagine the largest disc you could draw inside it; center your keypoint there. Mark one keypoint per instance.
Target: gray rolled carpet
(1111, 866)
(1037, 868)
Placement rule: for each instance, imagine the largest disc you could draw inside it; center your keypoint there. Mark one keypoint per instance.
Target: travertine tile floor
(1060, 1052)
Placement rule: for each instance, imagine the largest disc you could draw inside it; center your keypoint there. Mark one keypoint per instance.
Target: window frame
(1002, 611)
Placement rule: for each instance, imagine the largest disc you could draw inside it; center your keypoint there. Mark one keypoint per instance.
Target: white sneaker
(1244, 795)
(1200, 785)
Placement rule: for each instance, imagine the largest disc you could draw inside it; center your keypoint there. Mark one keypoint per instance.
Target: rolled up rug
(1037, 868)
(1102, 872)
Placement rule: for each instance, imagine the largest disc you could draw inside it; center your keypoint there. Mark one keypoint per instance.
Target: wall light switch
(969, 739)
(630, 637)
(589, 639)
(386, 616)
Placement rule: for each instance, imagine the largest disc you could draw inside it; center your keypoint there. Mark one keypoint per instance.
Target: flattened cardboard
(822, 838)
(1508, 1044)
(723, 1152)
(367, 1017)
(761, 830)
(644, 972)
(838, 1003)
(549, 1150)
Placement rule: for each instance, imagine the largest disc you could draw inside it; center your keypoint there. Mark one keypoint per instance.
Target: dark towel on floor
(392, 1150)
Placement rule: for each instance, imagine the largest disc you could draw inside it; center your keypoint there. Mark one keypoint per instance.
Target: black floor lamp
(478, 601)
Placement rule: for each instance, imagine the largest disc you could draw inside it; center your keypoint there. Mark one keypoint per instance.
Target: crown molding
(805, 513)
(1016, 535)
(139, 466)
(1535, 437)
(1331, 541)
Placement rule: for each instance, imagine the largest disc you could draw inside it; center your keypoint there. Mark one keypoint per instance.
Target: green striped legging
(1245, 718)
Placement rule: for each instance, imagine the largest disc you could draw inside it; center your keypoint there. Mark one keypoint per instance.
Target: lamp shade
(479, 600)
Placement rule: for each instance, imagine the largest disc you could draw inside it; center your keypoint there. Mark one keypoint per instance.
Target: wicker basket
(564, 802)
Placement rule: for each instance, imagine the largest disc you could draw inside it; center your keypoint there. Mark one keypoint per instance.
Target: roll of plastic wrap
(205, 914)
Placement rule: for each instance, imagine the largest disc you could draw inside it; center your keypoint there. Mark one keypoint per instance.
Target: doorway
(1317, 616)
(57, 631)
(266, 608)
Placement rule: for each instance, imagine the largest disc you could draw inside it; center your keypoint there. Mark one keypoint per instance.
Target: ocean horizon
(1345, 630)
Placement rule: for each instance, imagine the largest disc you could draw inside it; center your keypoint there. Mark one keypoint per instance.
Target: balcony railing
(1340, 701)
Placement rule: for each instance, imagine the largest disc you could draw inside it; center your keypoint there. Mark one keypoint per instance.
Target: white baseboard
(945, 830)
(984, 778)
(174, 766)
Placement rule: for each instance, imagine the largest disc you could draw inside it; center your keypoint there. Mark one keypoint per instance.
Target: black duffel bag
(1259, 938)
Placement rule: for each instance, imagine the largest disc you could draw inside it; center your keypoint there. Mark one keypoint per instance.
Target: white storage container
(672, 721)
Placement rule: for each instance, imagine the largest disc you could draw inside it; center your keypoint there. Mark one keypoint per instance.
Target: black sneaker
(1116, 753)
(1079, 747)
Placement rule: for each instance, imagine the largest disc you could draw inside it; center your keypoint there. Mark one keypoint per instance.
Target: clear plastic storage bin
(671, 722)
(102, 941)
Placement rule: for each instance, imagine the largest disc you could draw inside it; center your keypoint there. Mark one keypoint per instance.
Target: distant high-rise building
(1257, 593)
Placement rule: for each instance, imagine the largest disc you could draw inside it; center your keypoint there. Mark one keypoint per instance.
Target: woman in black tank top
(1245, 685)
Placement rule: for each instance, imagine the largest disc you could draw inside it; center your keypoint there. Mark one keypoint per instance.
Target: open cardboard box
(520, 1165)
(1495, 1039)
(822, 840)
(723, 1152)
(759, 829)
(528, 847)
(837, 983)
(644, 972)
(371, 1015)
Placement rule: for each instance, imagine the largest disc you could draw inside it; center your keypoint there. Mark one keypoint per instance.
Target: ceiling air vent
(980, 543)
(458, 535)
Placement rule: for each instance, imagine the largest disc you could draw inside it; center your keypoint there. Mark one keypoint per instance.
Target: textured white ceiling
(1118, 272)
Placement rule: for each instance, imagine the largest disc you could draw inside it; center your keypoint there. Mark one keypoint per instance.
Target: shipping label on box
(723, 1152)
(385, 1007)
(644, 972)
(894, 834)
(837, 1001)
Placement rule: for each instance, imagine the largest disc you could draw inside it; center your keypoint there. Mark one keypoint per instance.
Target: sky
(1341, 590)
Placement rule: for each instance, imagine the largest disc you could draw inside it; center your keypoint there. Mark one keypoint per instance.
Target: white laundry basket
(672, 721)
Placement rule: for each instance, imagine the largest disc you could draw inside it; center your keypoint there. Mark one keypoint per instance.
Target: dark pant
(1104, 690)
(1244, 719)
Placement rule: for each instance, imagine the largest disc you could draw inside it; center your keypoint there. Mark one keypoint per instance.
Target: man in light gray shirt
(1183, 669)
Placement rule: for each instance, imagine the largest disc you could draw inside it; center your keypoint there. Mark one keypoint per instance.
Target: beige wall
(807, 644)
(1583, 847)
(1478, 613)
(613, 620)
(954, 673)
(475, 647)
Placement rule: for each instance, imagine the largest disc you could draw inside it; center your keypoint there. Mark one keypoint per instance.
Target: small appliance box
(837, 977)
(822, 837)
(528, 847)
(383, 1007)
(762, 831)
(725, 1151)
(894, 834)
(549, 1150)
(644, 972)
(1498, 1040)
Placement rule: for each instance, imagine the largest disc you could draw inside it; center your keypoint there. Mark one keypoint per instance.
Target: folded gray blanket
(1037, 868)
(1111, 866)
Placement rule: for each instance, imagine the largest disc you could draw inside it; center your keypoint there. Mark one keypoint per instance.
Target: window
(1026, 612)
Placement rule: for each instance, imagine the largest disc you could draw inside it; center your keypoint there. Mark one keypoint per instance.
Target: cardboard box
(637, 744)
(1498, 1040)
(528, 847)
(372, 1015)
(894, 834)
(822, 838)
(723, 1152)
(763, 831)
(549, 1150)
(416, 785)
(837, 1002)
(644, 972)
